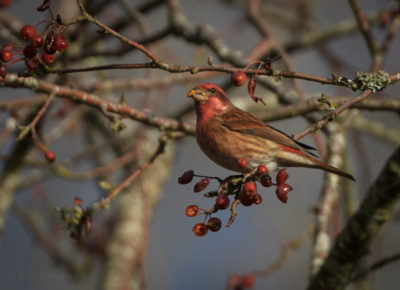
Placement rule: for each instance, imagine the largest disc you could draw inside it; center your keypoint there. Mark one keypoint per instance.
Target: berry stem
(210, 177)
(233, 213)
(259, 62)
(39, 115)
(37, 140)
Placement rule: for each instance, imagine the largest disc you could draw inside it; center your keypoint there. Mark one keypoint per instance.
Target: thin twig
(124, 184)
(285, 250)
(376, 266)
(365, 28)
(124, 39)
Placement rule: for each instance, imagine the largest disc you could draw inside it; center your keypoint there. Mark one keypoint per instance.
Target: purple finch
(225, 134)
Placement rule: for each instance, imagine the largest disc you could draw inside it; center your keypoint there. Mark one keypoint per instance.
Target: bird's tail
(302, 159)
(329, 168)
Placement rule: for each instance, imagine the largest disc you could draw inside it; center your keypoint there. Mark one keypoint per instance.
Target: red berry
(250, 188)
(245, 199)
(214, 224)
(49, 155)
(186, 177)
(222, 201)
(238, 78)
(201, 185)
(6, 55)
(282, 176)
(262, 170)
(37, 40)
(266, 181)
(60, 42)
(248, 281)
(257, 199)
(48, 58)
(282, 191)
(191, 210)
(30, 51)
(27, 32)
(31, 63)
(200, 229)
(242, 162)
(77, 201)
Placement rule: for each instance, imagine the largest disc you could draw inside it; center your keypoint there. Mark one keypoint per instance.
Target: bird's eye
(212, 90)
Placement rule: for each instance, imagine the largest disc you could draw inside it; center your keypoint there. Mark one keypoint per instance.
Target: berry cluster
(41, 46)
(239, 78)
(242, 187)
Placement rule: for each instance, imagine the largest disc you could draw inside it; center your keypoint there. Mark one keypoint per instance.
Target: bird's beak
(197, 95)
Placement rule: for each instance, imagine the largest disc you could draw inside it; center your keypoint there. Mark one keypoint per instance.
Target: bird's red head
(210, 100)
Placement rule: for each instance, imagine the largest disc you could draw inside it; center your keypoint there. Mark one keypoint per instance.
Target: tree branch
(354, 241)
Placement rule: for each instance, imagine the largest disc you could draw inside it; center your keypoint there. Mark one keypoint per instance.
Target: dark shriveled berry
(46, 4)
(201, 185)
(186, 177)
(214, 224)
(30, 51)
(49, 44)
(266, 181)
(251, 86)
(31, 63)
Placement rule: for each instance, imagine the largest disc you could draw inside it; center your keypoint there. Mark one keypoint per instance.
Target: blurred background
(36, 250)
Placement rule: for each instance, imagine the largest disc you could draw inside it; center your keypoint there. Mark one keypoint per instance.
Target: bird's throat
(210, 108)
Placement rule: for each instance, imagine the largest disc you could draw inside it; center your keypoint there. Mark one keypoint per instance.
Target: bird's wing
(243, 122)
